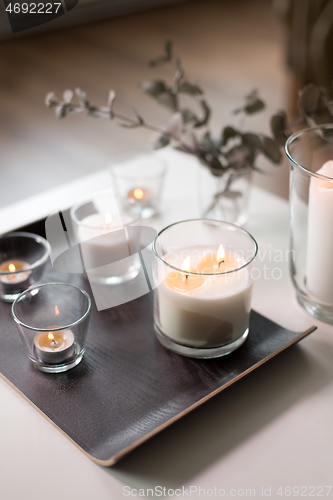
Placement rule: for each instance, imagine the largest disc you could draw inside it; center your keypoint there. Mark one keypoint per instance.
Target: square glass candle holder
(139, 176)
(52, 320)
(23, 257)
(203, 273)
(108, 231)
(310, 154)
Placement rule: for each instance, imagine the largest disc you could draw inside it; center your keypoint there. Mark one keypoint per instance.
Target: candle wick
(185, 278)
(220, 262)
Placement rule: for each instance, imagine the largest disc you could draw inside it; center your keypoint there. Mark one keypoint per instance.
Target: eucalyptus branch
(66, 106)
(234, 151)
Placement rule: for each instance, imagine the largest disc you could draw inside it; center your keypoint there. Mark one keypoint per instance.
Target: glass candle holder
(108, 231)
(23, 257)
(139, 176)
(52, 320)
(203, 276)
(310, 154)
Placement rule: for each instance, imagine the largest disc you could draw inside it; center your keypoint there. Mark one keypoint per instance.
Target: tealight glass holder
(107, 229)
(52, 320)
(310, 154)
(139, 176)
(23, 257)
(203, 274)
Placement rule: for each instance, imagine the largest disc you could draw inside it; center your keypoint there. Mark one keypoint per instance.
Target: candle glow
(108, 219)
(138, 193)
(186, 265)
(11, 268)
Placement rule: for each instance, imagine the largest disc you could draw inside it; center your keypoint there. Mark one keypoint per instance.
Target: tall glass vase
(310, 154)
(224, 197)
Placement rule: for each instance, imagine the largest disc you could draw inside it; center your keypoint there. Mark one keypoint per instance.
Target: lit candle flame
(11, 268)
(56, 311)
(138, 194)
(220, 255)
(186, 265)
(108, 219)
(50, 336)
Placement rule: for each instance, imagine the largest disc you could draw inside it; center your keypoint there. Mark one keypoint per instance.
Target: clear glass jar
(23, 257)
(139, 176)
(108, 231)
(52, 320)
(311, 219)
(224, 197)
(203, 275)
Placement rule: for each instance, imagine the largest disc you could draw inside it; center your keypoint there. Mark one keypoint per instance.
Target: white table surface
(272, 429)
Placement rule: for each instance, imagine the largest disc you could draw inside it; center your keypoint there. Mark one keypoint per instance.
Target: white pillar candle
(205, 311)
(54, 347)
(106, 247)
(319, 264)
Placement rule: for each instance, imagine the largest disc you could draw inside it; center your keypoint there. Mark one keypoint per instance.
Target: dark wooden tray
(128, 387)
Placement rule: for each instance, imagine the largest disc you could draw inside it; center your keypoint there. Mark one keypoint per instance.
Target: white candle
(106, 247)
(319, 263)
(54, 347)
(205, 311)
(12, 266)
(141, 194)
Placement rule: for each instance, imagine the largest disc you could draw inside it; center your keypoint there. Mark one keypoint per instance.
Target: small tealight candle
(12, 266)
(143, 195)
(54, 347)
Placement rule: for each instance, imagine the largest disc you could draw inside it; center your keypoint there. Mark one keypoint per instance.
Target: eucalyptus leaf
(323, 114)
(240, 156)
(111, 99)
(68, 96)
(60, 111)
(309, 98)
(189, 88)
(153, 88)
(159, 141)
(278, 127)
(206, 116)
(51, 99)
(252, 96)
(228, 133)
(213, 163)
(166, 57)
(175, 126)
(168, 99)
(188, 115)
(271, 150)
(97, 112)
(254, 107)
(206, 142)
(82, 97)
(252, 140)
